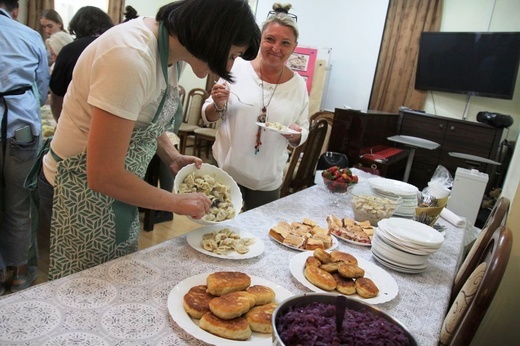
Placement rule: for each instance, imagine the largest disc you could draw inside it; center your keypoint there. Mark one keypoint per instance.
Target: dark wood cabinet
(453, 135)
(354, 131)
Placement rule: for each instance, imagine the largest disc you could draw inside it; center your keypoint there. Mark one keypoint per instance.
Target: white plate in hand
(286, 131)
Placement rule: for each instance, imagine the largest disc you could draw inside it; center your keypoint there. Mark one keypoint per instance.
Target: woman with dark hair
(52, 23)
(122, 97)
(130, 13)
(88, 23)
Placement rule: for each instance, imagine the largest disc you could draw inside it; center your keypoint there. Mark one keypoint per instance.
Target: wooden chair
(192, 116)
(292, 167)
(474, 298)
(329, 116)
(301, 170)
(182, 94)
(494, 221)
(205, 137)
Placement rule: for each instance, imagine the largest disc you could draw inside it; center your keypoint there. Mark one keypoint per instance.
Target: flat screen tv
(473, 63)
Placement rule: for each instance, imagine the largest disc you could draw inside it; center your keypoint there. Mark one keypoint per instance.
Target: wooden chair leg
(182, 144)
(151, 177)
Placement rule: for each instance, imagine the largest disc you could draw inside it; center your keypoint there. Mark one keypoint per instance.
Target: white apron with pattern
(83, 227)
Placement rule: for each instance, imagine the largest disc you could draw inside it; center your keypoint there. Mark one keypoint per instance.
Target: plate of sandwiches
(226, 242)
(306, 235)
(350, 230)
(226, 308)
(342, 273)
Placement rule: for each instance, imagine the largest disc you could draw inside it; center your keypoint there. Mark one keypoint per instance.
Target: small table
(413, 143)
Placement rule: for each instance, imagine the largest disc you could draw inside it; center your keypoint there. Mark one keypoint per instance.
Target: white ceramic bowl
(220, 176)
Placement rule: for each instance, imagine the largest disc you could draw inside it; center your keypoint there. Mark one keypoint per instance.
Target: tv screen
(474, 63)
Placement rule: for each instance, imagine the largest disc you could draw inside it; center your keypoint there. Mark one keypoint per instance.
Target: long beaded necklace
(262, 118)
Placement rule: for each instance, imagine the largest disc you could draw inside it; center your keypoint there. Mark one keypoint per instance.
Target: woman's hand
(220, 95)
(184, 160)
(195, 205)
(294, 138)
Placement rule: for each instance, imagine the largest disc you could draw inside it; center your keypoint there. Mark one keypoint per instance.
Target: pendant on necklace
(263, 116)
(261, 119)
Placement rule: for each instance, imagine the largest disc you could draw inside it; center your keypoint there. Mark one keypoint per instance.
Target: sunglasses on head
(273, 13)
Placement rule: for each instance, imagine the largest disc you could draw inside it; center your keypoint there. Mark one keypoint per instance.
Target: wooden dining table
(125, 301)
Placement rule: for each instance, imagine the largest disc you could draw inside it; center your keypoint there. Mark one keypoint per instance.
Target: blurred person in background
(56, 42)
(88, 23)
(51, 23)
(24, 80)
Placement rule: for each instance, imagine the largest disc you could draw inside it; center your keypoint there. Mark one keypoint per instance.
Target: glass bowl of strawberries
(338, 181)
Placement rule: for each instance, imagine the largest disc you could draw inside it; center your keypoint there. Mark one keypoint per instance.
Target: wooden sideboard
(453, 135)
(352, 131)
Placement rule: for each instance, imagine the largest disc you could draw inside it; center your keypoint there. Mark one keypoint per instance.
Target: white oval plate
(191, 326)
(332, 247)
(387, 285)
(283, 132)
(412, 231)
(351, 241)
(194, 238)
(392, 185)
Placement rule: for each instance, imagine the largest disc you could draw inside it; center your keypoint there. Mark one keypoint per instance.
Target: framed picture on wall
(302, 61)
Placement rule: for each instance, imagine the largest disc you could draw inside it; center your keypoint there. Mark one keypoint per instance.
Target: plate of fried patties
(227, 307)
(340, 272)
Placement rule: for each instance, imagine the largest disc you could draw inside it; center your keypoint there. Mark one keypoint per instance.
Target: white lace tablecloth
(124, 302)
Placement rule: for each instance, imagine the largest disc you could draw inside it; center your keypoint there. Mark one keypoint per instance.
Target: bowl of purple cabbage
(310, 319)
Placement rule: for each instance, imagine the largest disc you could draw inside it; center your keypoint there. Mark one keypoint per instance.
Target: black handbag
(330, 159)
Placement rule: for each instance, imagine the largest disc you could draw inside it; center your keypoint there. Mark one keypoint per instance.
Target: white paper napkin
(453, 218)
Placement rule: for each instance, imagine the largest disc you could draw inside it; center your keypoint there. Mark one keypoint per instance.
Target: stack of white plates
(405, 245)
(408, 192)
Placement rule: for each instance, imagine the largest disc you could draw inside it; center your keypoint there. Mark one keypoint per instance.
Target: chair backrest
(494, 221)
(329, 116)
(193, 109)
(182, 94)
(472, 301)
(300, 173)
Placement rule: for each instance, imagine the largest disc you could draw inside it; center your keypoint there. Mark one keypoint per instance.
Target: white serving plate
(191, 325)
(412, 231)
(382, 185)
(194, 238)
(387, 285)
(332, 247)
(351, 241)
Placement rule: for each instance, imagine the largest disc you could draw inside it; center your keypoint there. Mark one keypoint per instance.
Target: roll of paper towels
(453, 218)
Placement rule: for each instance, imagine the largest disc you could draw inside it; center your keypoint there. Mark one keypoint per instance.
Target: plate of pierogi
(225, 242)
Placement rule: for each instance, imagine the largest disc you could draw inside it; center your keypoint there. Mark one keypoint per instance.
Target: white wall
(352, 29)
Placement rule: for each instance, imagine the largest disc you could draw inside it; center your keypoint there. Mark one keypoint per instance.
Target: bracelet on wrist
(221, 111)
